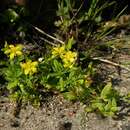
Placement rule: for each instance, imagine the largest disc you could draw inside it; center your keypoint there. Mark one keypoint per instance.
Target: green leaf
(72, 74)
(81, 81)
(89, 109)
(114, 103)
(16, 95)
(36, 103)
(48, 86)
(90, 69)
(106, 91)
(98, 19)
(61, 85)
(114, 107)
(70, 96)
(11, 15)
(22, 88)
(110, 113)
(57, 66)
(128, 95)
(100, 106)
(12, 85)
(70, 43)
(108, 106)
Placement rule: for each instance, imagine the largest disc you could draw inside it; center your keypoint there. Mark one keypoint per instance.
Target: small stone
(14, 123)
(1, 124)
(65, 126)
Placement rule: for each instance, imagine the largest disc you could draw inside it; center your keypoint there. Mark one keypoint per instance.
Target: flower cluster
(58, 51)
(68, 57)
(29, 67)
(13, 51)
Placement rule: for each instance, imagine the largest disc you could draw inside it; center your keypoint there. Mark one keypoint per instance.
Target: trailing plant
(60, 72)
(20, 74)
(105, 102)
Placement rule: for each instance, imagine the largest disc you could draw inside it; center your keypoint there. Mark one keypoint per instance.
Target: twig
(77, 12)
(51, 43)
(111, 63)
(44, 33)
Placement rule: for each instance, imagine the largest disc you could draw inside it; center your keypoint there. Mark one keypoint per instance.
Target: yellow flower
(68, 65)
(29, 67)
(13, 51)
(69, 58)
(58, 51)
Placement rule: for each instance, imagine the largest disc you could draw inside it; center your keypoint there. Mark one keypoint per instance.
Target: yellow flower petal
(69, 58)
(58, 51)
(13, 51)
(11, 56)
(11, 46)
(34, 70)
(26, 71)
(35, 63)
(19, 53)
(19, 47)
(7, 51)
(29, 67)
